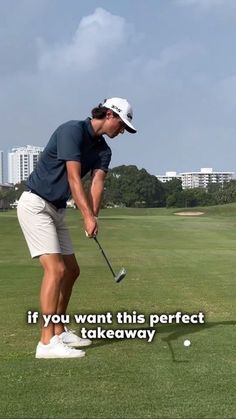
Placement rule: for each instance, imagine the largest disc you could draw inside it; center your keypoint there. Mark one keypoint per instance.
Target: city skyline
(33, 152)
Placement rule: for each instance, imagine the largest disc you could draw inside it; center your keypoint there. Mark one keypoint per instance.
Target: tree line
(129, 186)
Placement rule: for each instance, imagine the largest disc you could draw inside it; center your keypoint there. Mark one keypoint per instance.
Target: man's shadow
(173, 331)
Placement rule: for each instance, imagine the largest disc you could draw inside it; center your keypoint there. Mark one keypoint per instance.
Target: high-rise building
(1, 166)
(21, 162)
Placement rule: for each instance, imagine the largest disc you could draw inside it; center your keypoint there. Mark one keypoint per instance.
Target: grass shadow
(183, 330)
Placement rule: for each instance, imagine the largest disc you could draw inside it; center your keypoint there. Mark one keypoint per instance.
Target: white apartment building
(1, 166)
(204, 177)
(21, 162)
(168, 176)
(198, 179)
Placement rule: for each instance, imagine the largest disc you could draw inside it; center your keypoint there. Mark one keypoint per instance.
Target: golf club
(121, 274)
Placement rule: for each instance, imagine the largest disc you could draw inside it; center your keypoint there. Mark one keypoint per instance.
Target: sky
(174, 60)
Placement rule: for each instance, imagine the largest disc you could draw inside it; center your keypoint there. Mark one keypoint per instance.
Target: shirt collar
(90, 128)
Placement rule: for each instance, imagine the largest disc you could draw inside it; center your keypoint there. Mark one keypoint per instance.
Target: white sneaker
(56, 349)
(69, 338)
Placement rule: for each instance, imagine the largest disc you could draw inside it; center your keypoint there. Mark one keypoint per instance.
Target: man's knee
(72, 268)
(58, 271)
(53, 266)
(72, 273)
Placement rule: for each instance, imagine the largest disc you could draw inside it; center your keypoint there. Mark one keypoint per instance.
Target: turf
(174, 264)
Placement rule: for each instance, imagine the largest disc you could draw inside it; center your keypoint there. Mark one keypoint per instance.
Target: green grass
(173, 263)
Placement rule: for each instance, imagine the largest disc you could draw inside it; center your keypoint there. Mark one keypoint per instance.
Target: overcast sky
(174, 60)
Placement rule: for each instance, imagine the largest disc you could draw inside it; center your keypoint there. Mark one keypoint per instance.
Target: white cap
(122, 108)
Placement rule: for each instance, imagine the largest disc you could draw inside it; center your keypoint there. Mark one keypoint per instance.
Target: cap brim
(129, 127)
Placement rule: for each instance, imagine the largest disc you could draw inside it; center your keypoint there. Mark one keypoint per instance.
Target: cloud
(70, 78)
(97, 37)
(183, 91)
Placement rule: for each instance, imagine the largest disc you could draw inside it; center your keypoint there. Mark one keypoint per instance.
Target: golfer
(74, 149)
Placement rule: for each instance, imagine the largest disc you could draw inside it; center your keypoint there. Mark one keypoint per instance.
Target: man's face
(114, 125)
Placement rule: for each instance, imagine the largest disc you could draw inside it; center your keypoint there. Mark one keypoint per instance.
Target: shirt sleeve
(104, 159)
(69, 143)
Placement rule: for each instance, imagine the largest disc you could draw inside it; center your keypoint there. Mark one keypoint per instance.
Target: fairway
(174, 263)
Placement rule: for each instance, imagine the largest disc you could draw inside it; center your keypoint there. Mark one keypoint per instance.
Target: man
(74, 149)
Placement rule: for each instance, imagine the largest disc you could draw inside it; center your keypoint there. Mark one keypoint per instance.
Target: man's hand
(90, 226)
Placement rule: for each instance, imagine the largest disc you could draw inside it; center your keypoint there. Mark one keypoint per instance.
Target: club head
(120, 275)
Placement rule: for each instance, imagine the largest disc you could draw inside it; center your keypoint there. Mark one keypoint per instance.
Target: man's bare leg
(72, 272)
(54, 272)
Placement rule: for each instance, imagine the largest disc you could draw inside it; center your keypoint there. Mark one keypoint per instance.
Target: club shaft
(103, 253)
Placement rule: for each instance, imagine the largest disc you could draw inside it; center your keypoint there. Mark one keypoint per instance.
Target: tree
(175, 199)
(129, 186)
(9, 195)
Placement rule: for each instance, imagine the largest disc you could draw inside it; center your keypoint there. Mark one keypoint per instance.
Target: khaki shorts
(43, 226)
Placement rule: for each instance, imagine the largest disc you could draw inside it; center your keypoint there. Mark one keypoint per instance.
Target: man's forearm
(95, 196)
(80, 197)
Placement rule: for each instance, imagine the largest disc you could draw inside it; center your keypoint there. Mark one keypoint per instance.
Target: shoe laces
(67, 348)
(70, 331)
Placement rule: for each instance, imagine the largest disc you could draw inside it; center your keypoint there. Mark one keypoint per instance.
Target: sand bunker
(189, 213)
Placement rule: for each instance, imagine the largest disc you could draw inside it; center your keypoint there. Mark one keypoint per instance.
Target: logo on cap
(116, 108)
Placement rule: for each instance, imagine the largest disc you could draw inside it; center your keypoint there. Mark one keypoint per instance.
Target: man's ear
(109, 114)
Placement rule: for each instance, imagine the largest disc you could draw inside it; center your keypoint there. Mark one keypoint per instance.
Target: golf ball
(187, 343)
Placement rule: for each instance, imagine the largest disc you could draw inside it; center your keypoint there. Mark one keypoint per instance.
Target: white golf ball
(187, 343)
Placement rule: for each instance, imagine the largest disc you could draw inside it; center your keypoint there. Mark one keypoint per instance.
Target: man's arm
(80, 198)
(96, 190)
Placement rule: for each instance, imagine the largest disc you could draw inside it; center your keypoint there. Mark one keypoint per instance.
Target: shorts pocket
(33, 203)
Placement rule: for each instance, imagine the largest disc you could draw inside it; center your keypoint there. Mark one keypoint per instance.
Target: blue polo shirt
(72, 141)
